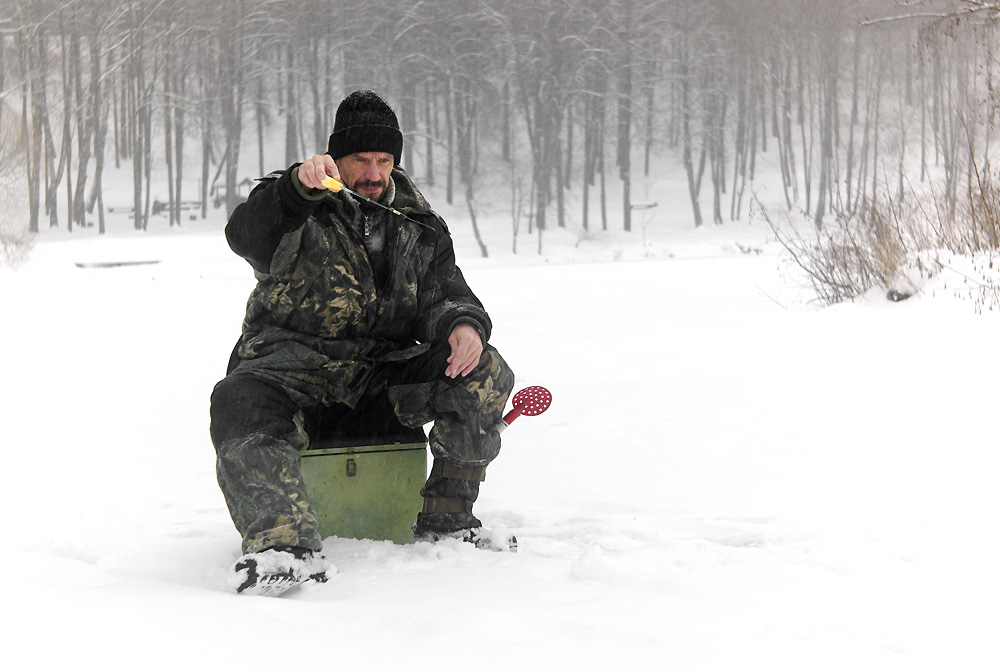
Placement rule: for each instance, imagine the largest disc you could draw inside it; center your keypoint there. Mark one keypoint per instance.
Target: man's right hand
(314, 169)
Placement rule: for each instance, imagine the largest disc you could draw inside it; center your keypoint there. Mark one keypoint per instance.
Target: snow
(729, 477)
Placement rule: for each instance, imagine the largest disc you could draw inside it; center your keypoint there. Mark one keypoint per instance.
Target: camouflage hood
(408, 198)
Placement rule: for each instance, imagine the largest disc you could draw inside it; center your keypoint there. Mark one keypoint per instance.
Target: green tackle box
(366, 492)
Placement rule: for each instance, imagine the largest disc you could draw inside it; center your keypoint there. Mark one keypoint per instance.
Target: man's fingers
(314, 169)
(463, 360)
(307, 175)
(329, 167)
(473, 363)
(466, 349)
(462, 367)
(457, 360)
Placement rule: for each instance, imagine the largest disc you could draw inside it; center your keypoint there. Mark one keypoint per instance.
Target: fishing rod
(335, 186)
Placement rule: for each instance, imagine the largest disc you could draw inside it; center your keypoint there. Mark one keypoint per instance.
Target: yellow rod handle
(332, 184)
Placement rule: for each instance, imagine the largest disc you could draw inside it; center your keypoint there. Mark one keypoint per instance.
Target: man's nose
(371, 173)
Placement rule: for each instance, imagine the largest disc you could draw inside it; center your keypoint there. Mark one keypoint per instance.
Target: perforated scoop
(533, 400)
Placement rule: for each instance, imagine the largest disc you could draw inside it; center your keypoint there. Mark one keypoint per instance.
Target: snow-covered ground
(729, 477)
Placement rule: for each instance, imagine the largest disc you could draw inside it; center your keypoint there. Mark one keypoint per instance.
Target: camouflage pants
(259, 435)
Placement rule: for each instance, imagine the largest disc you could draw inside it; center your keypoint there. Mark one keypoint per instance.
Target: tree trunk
(650, 93)
(53, 174)
(686, 158)
(30, 91)
(319, 132)
(625, 121)
(557, 160)
(567, 166)
(68, 116)
(923, 120)
(431, 128)
(147, 162)
(805, 109)
(206, 145)
(90, 110)
(450, 176)
(506, 130)
(117, 101)
(180, 88)
(409, 116)
(259, 118)
(586, 168)
(604, 191)
(100, 137)
(291, 118)
(470, 201)
(828, 94)
(854, 118)
(168, 138)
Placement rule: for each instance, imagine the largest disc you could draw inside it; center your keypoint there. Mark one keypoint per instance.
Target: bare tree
(555, 89)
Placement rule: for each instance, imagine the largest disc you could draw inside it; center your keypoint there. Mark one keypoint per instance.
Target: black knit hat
(365, 123)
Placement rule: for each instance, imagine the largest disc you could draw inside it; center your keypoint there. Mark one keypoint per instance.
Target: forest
(855, 98)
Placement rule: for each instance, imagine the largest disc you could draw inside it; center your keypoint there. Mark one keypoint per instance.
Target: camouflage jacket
(318, 323)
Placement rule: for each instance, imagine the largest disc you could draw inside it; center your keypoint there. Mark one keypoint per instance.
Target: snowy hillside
(729, 477)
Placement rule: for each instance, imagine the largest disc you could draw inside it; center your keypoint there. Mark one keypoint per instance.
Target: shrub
(885, 243)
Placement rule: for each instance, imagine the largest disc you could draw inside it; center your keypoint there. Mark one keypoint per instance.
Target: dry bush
(884, 243)
(847, 258)
(15, 241)
(14, 248)
(973, 224)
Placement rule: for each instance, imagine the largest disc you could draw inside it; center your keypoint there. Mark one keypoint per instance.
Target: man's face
(366, 172)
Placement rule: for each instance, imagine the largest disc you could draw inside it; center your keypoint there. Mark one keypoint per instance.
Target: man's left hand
(466, 348)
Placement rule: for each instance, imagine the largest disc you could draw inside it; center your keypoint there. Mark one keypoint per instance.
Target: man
(356, 305)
